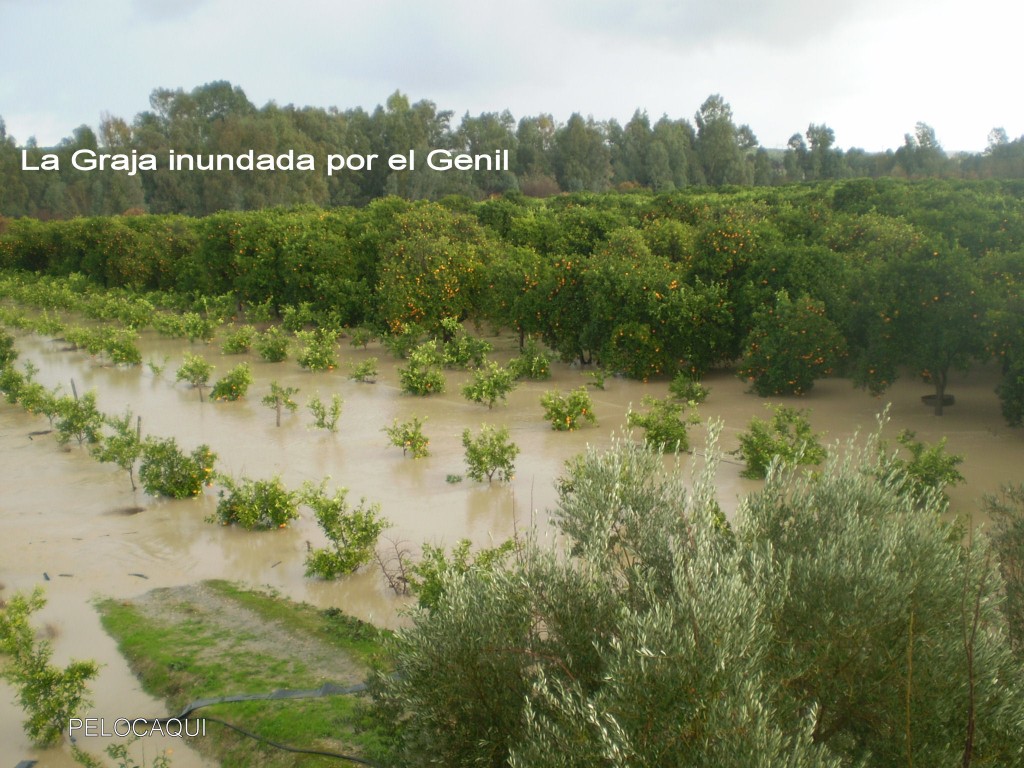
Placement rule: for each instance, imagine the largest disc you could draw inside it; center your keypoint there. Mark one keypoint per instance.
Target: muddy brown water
(77, 522)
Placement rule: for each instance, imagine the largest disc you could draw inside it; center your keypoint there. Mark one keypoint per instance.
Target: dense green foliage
(234, 384)
(8, 354)
(862, 634)
(565, 410)
(256, 505)
(489, 384)
(422, 375)
(491, 452)
(929, 467)
(166, 470)
(791, 344)
(872, 279)
(239, 340)
(408, 435)
(429, 575)
(664, 424)
(272, 345)
(532, 363)
(1007, 514)
(118, 344)
(319, 349)
(78, 418)
(787, 437)
(684, 387)
(351, 531)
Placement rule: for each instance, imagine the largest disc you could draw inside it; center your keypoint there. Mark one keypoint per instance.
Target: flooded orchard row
(75, 527)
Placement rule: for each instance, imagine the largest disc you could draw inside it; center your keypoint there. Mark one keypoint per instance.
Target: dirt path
(245, 631)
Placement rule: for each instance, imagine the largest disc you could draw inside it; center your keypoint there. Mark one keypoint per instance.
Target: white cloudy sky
(870, 69)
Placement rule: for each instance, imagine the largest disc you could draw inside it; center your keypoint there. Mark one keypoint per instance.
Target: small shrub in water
(78, 418)
(408, 435)
(234, 384)
(361, 337)
(532, 363)
(256, 505)
(123, 447)
(490, 453)
(167, 471)
(788, 435)
(402, 343)
(461, 350)
(157, 368)
(294, 319)
(280, 399)
(325, 416)
(365, 372)
(664, 425)
(422, 376)
(489, 384)
(196, 371)
(239, 341)
(197, 327)
(272, 345)
(353, 532)
(929, 466)
(565, 411)
(319, 350)
(685, 387)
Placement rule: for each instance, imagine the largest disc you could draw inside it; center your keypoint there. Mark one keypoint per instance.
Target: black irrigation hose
(327, 689)
(286, 748)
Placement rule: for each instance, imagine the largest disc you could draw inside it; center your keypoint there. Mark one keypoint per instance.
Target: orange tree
(431, 270)
(644, 320)
(927, 313)
(727, 247)
(1003, 275)
(565, 311)
(512, 295)
(790, 345)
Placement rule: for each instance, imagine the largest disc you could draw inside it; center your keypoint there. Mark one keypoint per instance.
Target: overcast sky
(870, 69)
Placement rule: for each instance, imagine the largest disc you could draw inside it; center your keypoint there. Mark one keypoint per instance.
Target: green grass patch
(331, 626)
(220, 639)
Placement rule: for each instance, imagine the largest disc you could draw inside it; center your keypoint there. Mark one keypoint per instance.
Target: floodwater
(75, 527)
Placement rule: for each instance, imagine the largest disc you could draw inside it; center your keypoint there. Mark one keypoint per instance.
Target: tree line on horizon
(546, 157)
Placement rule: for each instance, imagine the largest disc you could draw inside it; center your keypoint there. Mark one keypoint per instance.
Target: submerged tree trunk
(940, 389)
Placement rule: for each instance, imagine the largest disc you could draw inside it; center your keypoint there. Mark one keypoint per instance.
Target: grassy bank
(217, 639)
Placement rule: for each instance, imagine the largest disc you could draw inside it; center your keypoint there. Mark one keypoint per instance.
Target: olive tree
(837, 621)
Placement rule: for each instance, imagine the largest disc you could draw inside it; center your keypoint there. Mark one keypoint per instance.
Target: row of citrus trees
(789, 285)
(665, 422)
(167, 470)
